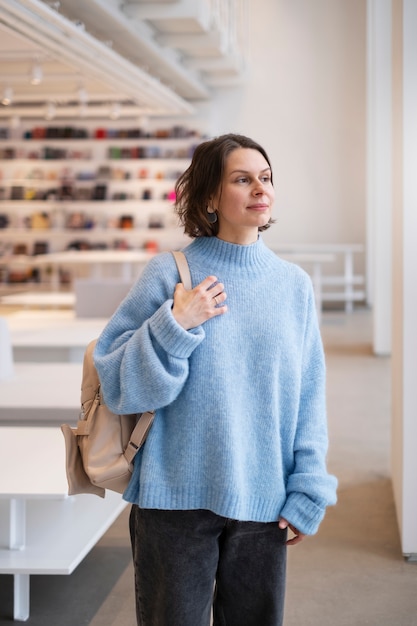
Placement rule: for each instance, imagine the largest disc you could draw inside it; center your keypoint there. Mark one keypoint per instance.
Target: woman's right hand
(194, 307)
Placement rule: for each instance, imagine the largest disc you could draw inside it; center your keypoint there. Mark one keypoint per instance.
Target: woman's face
(245, 198)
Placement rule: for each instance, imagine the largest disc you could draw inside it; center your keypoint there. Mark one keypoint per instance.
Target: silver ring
(215, 299)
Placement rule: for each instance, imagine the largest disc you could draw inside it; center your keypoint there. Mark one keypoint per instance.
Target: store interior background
(301, 92)
(305, 91)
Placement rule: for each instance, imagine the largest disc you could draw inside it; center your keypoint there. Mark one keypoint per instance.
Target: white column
(379, 169)
(404, 352)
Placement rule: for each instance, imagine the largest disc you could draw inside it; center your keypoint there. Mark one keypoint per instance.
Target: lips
(258, 207)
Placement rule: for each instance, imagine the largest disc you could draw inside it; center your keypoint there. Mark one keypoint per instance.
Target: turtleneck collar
(219, 254)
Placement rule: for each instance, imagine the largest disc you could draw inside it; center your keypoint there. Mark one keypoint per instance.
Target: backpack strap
(138, 436)
(183, 269)
(144, 423)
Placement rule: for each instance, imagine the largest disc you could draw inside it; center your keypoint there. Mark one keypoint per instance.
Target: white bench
(42, 530)
(347, 280)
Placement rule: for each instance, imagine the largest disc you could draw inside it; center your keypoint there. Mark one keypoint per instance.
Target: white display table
(51, 336)
(42, 530)
(6, 353)
(53, 299)
(41, 393)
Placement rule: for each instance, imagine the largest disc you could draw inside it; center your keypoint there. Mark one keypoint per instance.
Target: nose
(258, 188)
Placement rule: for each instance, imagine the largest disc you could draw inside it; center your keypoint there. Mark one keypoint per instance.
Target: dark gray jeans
(188, 561)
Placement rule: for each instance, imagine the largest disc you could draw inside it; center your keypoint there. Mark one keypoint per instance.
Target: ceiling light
(7, 96)
(36, 74)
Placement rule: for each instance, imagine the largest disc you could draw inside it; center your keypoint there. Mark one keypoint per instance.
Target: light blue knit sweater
(241, 422)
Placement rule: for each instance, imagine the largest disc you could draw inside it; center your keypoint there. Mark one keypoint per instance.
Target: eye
(266, 179)
(242, 179)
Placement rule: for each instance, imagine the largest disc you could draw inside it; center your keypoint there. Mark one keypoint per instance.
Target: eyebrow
(238, 171)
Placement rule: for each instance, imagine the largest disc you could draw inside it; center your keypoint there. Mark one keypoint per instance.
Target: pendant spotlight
(7, 96)
(36, 74)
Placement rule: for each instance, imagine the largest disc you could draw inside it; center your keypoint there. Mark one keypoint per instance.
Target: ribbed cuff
(171, 336)
(302, 513)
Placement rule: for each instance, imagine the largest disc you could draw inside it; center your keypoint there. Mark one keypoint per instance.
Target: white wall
(305, 101)
(404, 352)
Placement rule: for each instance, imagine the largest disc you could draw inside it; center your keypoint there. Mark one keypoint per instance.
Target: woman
(237, 452)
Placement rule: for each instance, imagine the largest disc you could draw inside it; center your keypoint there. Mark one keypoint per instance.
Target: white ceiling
(120, 58)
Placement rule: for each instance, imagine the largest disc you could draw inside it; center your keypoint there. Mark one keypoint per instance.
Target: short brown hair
(201, 181)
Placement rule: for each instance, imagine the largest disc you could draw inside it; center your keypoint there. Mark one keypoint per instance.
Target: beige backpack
(101, 449)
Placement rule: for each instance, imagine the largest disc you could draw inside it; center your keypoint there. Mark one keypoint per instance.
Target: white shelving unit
(51, 199)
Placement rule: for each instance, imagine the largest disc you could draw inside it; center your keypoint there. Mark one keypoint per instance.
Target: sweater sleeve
(310, 488)
(142, 355)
